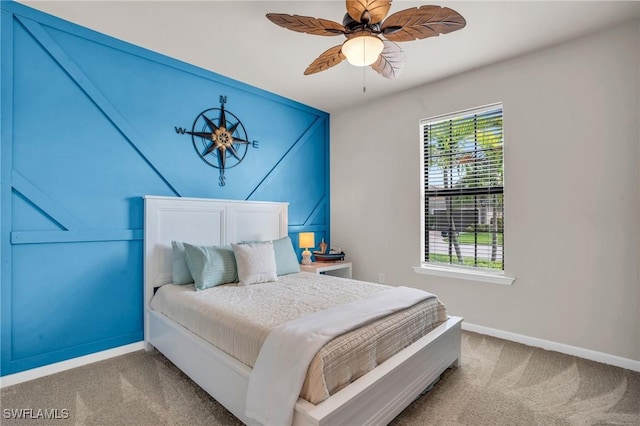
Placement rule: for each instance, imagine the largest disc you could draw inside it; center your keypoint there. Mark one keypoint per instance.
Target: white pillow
(256, 262)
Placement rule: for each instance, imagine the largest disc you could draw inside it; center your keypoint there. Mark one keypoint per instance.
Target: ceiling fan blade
(390, 62)
(307, 24)
(418, 23)
(377, 9)
(326, 60)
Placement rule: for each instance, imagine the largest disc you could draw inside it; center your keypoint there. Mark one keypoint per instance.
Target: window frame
(442, 269)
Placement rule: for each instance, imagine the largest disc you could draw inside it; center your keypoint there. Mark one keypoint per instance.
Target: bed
(374, 398)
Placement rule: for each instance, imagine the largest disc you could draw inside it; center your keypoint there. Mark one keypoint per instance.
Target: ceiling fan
(363, 24)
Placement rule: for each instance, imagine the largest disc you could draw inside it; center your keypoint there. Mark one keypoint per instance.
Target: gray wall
(572, 200)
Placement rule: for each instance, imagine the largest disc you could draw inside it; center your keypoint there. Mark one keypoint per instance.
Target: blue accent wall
(87, 128)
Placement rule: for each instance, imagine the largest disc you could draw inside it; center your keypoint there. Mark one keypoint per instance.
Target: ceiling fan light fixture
(371, 34)
(362, 50)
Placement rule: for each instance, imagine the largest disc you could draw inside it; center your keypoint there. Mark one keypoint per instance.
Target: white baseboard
(36, 373)
(602, 357)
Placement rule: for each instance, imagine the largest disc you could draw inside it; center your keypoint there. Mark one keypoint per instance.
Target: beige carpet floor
(498, 383)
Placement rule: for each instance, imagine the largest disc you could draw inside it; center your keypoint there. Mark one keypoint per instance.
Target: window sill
(486, 277)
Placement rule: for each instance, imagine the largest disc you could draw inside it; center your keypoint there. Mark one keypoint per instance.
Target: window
(463, 181)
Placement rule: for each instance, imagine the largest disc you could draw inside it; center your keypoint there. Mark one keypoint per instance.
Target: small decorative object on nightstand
(306, 240)
(323, 247)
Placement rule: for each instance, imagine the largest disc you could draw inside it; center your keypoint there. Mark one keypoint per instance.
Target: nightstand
(337, 268)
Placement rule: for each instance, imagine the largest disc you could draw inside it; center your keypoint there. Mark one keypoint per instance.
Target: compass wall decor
(219, 138)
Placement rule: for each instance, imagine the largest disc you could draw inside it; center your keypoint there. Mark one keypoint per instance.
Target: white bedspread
(279, 372)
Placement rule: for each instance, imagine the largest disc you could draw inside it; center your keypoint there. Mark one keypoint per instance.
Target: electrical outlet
(381, 277)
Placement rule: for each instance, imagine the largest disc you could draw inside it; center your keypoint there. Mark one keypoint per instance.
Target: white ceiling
(233, 38)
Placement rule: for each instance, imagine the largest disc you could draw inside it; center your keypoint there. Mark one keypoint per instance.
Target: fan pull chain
(364, 72)
(364, 83)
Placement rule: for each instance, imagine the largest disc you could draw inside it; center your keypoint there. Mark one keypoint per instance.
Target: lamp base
(306, 257)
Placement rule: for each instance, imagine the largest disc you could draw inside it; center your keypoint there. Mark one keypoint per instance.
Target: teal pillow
(179, 268)
(286, 259)
(211, 265)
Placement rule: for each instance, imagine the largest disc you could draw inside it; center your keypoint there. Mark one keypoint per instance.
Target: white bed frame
(375, 398)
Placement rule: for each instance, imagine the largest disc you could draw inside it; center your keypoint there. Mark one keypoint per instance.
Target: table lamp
(306, 240)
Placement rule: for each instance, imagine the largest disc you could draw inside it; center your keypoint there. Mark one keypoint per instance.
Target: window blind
(463, 177)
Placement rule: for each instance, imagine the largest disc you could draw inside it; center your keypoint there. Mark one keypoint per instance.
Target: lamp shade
(306, 240)
(362, 50)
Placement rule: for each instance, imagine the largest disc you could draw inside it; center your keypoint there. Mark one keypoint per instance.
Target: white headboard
(202, 221)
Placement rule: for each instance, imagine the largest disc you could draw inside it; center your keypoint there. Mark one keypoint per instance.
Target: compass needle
(222, 157)
(210, 123)
(233, 128)
(233, 152)
(206, 135)
(209, 149)
(223, 117)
